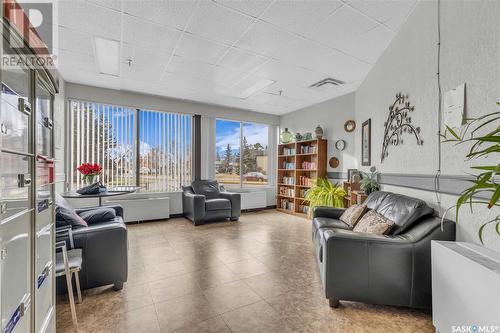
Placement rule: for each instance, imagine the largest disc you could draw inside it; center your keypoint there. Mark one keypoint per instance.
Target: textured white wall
(469, 53)
(331, 115)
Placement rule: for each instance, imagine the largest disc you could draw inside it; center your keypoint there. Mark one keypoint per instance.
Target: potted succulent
(483, 134)
(324, 193)
(369, 181)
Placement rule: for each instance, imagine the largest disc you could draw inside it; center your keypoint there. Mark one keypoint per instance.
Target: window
(165, 151)
(157, 155)
(227, 146)
(241, 153)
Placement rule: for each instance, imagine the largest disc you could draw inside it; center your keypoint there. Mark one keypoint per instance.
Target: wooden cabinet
(298, 164)
(354, 194)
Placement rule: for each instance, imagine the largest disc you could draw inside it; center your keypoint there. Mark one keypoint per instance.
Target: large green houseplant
(486, 182)
(324, 193)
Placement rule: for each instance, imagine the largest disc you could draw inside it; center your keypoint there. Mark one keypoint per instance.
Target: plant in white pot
(486, 180)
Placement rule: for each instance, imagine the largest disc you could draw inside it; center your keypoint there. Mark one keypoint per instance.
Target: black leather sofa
(203, 202)
(390, 269)
(104, 252)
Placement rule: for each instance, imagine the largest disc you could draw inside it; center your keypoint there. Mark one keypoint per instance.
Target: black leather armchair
(104, 252)
(203, 201)
(390, 269)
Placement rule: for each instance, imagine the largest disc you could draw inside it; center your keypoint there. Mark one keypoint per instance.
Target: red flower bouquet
(90, 172)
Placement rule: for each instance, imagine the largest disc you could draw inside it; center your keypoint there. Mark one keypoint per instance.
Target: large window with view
(241, 153)
(133, 146)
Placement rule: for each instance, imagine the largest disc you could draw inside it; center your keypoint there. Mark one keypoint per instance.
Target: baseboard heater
(139, 207)
(465, 288)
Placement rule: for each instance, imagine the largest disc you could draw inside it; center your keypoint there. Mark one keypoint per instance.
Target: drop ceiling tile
(182, 66)
(69, 60)
(89, 18)
(148, 73)
(198, 48)
(301, 15)
(320, 59)
(173, 13)
(250, 7)
(265, 39)
(140, 32)
(75, 41)
(111, 4)
(341, 27)
(218, 23)
(392, 13)
(370, 45)
(241, 60)
(282, 72)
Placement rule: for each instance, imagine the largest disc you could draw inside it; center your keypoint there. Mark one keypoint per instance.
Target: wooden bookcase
(298, 163)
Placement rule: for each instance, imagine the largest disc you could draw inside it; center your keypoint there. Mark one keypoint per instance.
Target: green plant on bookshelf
(369, 182)
(484, 143)
(324, 193)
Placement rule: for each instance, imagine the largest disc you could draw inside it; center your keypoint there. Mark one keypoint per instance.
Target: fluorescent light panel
(108, 55)
(259, 85)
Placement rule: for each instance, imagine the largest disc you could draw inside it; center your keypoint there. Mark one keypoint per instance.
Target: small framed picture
(350, 173)
(366, 143)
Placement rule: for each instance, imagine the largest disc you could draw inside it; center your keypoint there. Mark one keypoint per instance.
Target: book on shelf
(288, 180)
(308, 165)
(289, 151)
(308, 150)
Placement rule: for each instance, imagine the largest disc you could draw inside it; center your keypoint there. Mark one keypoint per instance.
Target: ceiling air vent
(326, 83)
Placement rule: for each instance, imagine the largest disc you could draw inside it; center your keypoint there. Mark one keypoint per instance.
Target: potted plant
(90, 172)
(324, 193)
(485, 182)
(369, 181)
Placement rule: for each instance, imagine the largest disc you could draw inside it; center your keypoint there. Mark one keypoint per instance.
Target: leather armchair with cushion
(203, 202)
(392, 269)
(104, 248)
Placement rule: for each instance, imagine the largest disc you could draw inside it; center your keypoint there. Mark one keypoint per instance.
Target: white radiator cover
(251, 198)
(465, 288)
(142, 206)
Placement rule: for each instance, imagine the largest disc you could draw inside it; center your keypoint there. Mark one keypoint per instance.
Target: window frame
(136, 138)
(242, 123)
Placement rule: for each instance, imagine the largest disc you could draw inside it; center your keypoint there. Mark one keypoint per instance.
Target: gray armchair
(390, 269)
(103, 244)
(203, 202)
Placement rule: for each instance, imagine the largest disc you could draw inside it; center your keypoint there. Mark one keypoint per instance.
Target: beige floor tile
(229, 296)
(183, 312)
(255, 275)
(256, 317)
(212, 325)
(247, 268)
(170, 288)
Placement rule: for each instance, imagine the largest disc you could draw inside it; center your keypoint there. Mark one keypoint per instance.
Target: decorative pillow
(65, 217)
(98, 215)
(374, 223)
(352, 214)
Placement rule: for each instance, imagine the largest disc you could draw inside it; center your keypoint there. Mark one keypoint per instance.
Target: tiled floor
(255, 275)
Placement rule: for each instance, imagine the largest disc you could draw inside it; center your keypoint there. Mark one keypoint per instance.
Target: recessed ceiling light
(257, 86)
(107, 52)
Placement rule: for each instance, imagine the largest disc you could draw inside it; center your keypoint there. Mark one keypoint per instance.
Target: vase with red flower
(90, 172)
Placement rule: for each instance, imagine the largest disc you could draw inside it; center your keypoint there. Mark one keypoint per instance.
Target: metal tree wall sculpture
(399, 122)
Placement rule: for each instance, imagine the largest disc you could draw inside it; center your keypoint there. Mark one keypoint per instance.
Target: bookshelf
(298, 163)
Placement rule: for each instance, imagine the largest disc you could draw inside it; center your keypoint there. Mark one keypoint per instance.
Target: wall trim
(447, 184)
(336, 175)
